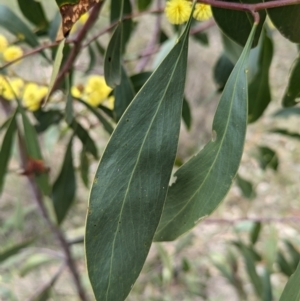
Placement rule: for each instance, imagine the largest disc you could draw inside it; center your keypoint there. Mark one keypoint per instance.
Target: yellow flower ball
(3, 43)
(96, 90)
(178, 11)
(33, 96)
(12, 52)
(202, 12)
(110, 102)
(11, 88)
(76, 92)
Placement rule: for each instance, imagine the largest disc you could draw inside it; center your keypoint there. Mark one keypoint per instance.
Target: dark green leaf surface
(246, 187)
(259, 88)
(10, 21)
(6, 148)
(46, 119)
(236, 24)
(284, 265)
(255, 232)
(186, 114)
(222, 71)
(84, 167)
(34, 12)
(69, 112)
(293, 89)
(112, 59)
(287, 21)
(92, 58)
(124, 93)
(267, 158)
(294, 254)
(138, 80)
(291, 291)
(63, 191)
(194, 195)
(131, 182)
(143, 4)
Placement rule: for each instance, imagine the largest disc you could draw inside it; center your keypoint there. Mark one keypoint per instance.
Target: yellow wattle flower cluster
(95, 92)
(80, 22)
(9, 53)
(178, 11)
(31, 93)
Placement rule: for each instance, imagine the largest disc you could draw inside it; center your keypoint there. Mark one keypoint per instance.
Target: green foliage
(143, 190)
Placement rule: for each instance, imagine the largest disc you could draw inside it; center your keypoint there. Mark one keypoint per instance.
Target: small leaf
(85, 138)
(64, 187)
(291, 291)
(246, 187)
(255, 232)
(287, 112)
(259, 88)
(230, 20)
(267, 158)
(284, 265)
(34, 262)
(6, 148)
(46, 119)
(286, 133)
(294, 253)
(292, 91)
(92, 58)
(131, 182)
(286, 20)
(143, 4)
(14, 250)
(69, 114)
(112, 59)
(56, 67)
(186, 114)
(84, 167)
(124, 93)
(193, 196)
(34, 12)
(222, 71)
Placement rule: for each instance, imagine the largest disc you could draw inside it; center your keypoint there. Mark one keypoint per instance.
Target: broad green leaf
(292, 91)
(124, 93)
(34, 12)
(267, 294)
(6, 148)
(138, 80)
(259, 88)
(222, 71)
(10, 21)
(193, 196)
(291, 291)
(237, 25)
(246, 187)
(5, 254)
(56, 67)
(131, 182)
(64, 187)
(85, 138)
(106, 124)
(112, 59)
(34, 151)
(286, 20)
